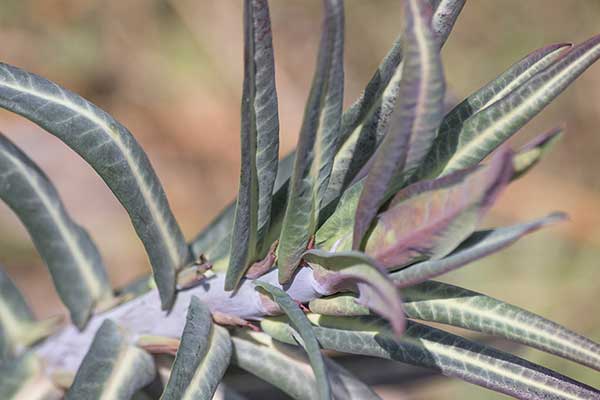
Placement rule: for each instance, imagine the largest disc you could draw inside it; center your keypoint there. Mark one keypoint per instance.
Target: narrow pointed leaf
(259, 141)
(415, 120)
(307, 336)
(24, 379)
(530, 154)
(480, 244)
(202, 357)
(72, 258)
(357, 272)
(115, 155)
(486, 130)
(113, 368)
(447, 304)
(288, 369)
(449, 354)
(365, 123)
(214, 242)
(317, 144)
(429, 219)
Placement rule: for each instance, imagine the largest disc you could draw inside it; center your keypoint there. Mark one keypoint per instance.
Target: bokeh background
(171, 71)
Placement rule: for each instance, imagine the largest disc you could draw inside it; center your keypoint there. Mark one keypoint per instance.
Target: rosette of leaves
(333, 247)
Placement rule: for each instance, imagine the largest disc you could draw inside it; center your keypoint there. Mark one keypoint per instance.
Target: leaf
(288, 369)
(429, 219)
(530, 154)
(115, 155)
(340, 305)
(354, 271)
(18, 328)
(24, 379)
(260, 142)
(202, 357)
(415, 120)
(317, 144)
(214, 242)
(365, 122)
(486, 130)
(447, 304)
(451, 355)
(307, 336)
(479, 245)
(113, 368)
(71, 256)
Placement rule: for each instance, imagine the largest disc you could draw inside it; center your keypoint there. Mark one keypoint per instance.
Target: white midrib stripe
(450, 352)
(157, 216)
(464, 307)
(504, 120)
(123, 369)
(85, 268)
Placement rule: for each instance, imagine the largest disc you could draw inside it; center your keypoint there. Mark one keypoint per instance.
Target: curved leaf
(335, 272)
(451, 355)
(24, 379)
(415, 120)
(530, 154)
(202, 357)
(486, 130)
(288, 369)
(480, 244)
(307, 337)
(73, 260)
(260, 141)
(317, 144)
(112, 368)
(430, 218)
(339, 305)
(115, 155)
(214, 241)
(444, 17)
(447, 304)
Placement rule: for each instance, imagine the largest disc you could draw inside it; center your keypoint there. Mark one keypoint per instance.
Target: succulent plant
(332, 247)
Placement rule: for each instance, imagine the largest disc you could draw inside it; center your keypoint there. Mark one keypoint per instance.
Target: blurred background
(171, 71)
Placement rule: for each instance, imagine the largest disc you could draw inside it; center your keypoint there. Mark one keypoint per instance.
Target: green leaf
(214, 242)
(317, 144)
(113, 368)
(451, 355)
(531, 153)
(415, 121)
(429, 219)
(288, 369)
(357, 272)
(24, 379)
(18, 329)
(115, 155)
(340, 305)
(259, 142)
(202, 357)
(71, 256)
(365, 122)
(480, 244)
(447, 304)
(307, 337)
(490, 127)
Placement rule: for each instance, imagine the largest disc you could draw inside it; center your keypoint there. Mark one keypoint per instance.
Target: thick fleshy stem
(64, 351)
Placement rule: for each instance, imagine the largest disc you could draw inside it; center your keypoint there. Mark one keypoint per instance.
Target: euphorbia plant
(332, 247)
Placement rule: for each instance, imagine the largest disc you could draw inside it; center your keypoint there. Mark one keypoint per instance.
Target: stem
(65, 350)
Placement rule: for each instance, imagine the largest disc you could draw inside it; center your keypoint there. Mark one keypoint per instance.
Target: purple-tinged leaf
(354, 271)
(429, 219)
(414, 122)
(260, 142)
(445, 16)
(317, 144)
(480, 244)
